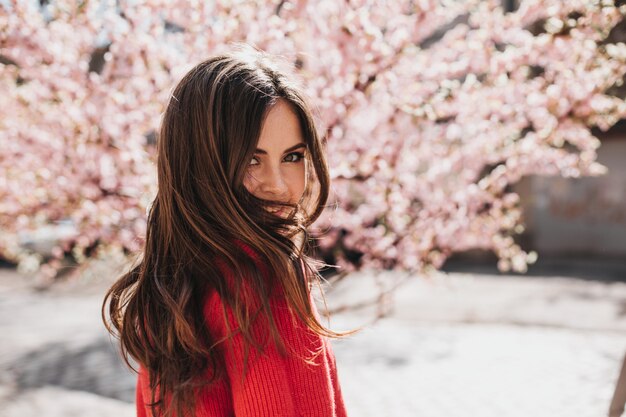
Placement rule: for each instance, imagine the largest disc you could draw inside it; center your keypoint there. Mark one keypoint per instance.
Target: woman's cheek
(249, 183)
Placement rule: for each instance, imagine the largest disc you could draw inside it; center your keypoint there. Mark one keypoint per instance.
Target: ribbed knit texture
(274, 385)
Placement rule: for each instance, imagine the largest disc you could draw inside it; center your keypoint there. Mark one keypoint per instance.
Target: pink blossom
(423, 142)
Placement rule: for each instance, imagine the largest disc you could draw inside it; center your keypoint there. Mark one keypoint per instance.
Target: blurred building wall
(584, 216)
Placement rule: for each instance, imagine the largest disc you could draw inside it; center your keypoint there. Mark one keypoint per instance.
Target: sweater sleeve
(264, 389)
(140, 403)
(339, 404)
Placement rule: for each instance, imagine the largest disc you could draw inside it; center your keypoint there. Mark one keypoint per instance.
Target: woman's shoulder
(232, 276)
(245, 252)
(231, 261)
(252, 253)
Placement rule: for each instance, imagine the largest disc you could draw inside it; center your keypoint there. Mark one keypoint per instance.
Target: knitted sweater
(274, 385)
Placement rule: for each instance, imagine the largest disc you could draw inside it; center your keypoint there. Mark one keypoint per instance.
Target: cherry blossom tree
(433, 110)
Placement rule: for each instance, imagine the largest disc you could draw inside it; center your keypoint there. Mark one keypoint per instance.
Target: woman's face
(278, 169)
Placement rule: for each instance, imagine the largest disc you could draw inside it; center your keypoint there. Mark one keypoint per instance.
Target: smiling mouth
(278, 211)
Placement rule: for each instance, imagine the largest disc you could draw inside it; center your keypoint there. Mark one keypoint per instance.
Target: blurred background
(478, 218)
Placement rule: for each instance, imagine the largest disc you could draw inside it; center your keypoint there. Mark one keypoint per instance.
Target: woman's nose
(274, 183)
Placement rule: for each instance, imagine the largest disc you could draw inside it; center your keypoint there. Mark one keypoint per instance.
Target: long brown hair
(201, 211)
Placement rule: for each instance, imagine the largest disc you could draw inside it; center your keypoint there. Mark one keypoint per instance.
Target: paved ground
(455, 345)
(480, 345)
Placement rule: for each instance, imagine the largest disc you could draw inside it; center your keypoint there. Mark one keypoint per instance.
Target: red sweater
(274, 385)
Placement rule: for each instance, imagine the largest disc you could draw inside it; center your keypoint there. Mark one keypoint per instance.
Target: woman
(218, 313)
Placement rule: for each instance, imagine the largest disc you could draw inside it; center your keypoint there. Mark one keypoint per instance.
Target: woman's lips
(279, 211)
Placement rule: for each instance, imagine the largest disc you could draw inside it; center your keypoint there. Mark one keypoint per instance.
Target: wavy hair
(207, 137)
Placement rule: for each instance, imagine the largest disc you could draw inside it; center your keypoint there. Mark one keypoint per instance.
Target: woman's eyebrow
(294, 147)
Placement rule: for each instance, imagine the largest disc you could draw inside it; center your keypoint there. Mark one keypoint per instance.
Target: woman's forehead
(281, 129)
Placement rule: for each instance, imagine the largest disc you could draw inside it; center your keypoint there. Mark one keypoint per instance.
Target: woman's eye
(294, 157)
(254, 161)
